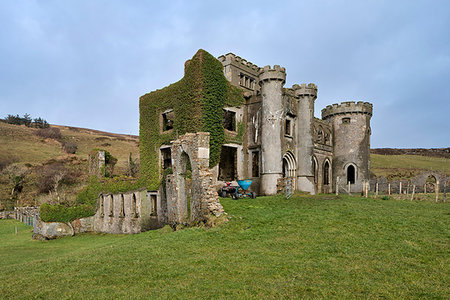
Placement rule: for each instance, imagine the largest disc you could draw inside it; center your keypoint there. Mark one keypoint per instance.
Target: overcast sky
(85, 63)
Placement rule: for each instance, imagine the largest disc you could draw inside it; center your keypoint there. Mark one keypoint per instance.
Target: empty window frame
(167, 120)
(122, 206)
(153, 202)
(101, 205)
(288, 127)
(345, 120)
(166, 157)
(229, 120)
(246, 81)
(111, 206)
(326, 173)
(255, 164)
(134, 211)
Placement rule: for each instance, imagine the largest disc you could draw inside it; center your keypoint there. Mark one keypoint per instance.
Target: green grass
(406, 165)
(314, 247)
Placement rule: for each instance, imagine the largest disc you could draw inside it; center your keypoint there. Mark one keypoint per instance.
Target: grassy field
(405, 166)
(314, 247)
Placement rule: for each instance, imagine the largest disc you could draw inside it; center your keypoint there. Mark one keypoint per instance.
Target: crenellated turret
(351, 131)
(306, 94)
(271, 81)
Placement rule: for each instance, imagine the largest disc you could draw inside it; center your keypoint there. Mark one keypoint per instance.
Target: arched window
(326, 173)
(351, 172)
(122, 206)
(134, 207)
(314, 168)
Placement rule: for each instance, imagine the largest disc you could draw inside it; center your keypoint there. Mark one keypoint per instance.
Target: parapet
(305, 90)
(275, 73)
(238, 61)
(349, 107)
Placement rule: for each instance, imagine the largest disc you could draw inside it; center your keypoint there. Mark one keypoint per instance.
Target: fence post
(414, 189)
(349, 188)
(337, 186)
(389, 189)
(400, 189)
(376, 190)
(425, 188)
(437, 190)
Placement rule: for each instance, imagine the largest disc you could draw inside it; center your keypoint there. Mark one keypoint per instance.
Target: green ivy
(197, 100)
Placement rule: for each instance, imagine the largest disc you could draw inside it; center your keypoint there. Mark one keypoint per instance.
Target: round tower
(351, 142)
(307, 95)
(271, 81)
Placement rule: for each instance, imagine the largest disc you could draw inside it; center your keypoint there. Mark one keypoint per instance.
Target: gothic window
(319, 135)
(246, 81)
(122, 206)
(326, 173)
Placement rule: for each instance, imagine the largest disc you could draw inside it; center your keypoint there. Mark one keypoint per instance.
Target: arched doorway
(430, 184)
(351, 174)
(289, 165)
(184, 180)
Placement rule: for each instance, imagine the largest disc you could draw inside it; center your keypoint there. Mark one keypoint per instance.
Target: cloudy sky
(85, 63)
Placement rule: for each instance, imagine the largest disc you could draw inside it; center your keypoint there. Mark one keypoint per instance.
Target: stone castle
(283, 138)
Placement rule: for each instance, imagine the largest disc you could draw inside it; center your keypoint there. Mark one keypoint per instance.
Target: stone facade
(283, 139)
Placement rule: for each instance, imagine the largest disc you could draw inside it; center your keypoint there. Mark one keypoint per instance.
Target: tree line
(26, 120)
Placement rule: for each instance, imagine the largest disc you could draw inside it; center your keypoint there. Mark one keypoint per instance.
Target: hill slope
(21, 145)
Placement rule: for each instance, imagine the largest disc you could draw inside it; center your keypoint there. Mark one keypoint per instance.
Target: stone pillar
(307, 94)
(271, 81)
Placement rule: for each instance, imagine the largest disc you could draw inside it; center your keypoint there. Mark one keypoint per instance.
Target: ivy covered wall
(197, 101)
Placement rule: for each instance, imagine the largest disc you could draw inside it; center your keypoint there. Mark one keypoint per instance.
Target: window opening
(166, 158)
(168, 119)
(229, 120)
(102, 208)
(122, 206)
(288, 127)
(326, 173)
(134, 207)
(153, 203)
(255, 164)
(111, 206)
(345, 120)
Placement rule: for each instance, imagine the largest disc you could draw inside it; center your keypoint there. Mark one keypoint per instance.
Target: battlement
(348, 107)
(230, 57)
(305, 90)
(275, 73)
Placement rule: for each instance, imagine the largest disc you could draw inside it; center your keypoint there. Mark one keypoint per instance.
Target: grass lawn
(321, 247)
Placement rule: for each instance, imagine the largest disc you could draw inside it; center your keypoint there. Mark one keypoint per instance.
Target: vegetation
(26, 120)
(197, 101)
(304, 247)
(406, 166)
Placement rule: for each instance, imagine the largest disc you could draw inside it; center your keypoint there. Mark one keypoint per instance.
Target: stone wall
(191, 200)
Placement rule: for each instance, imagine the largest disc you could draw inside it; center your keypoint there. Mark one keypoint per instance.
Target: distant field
(383, 165)
(305, 247)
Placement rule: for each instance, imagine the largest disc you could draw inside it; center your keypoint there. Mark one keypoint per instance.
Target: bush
(61, 213)
(70, 148)
(52, 175)
(49, 133)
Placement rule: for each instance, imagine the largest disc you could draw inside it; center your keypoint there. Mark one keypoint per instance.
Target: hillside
(37, 155)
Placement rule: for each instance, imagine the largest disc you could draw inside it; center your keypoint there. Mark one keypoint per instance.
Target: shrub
(52, 175)
(61, 213)
(385, 198)
(70, 147)
(49, 133)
